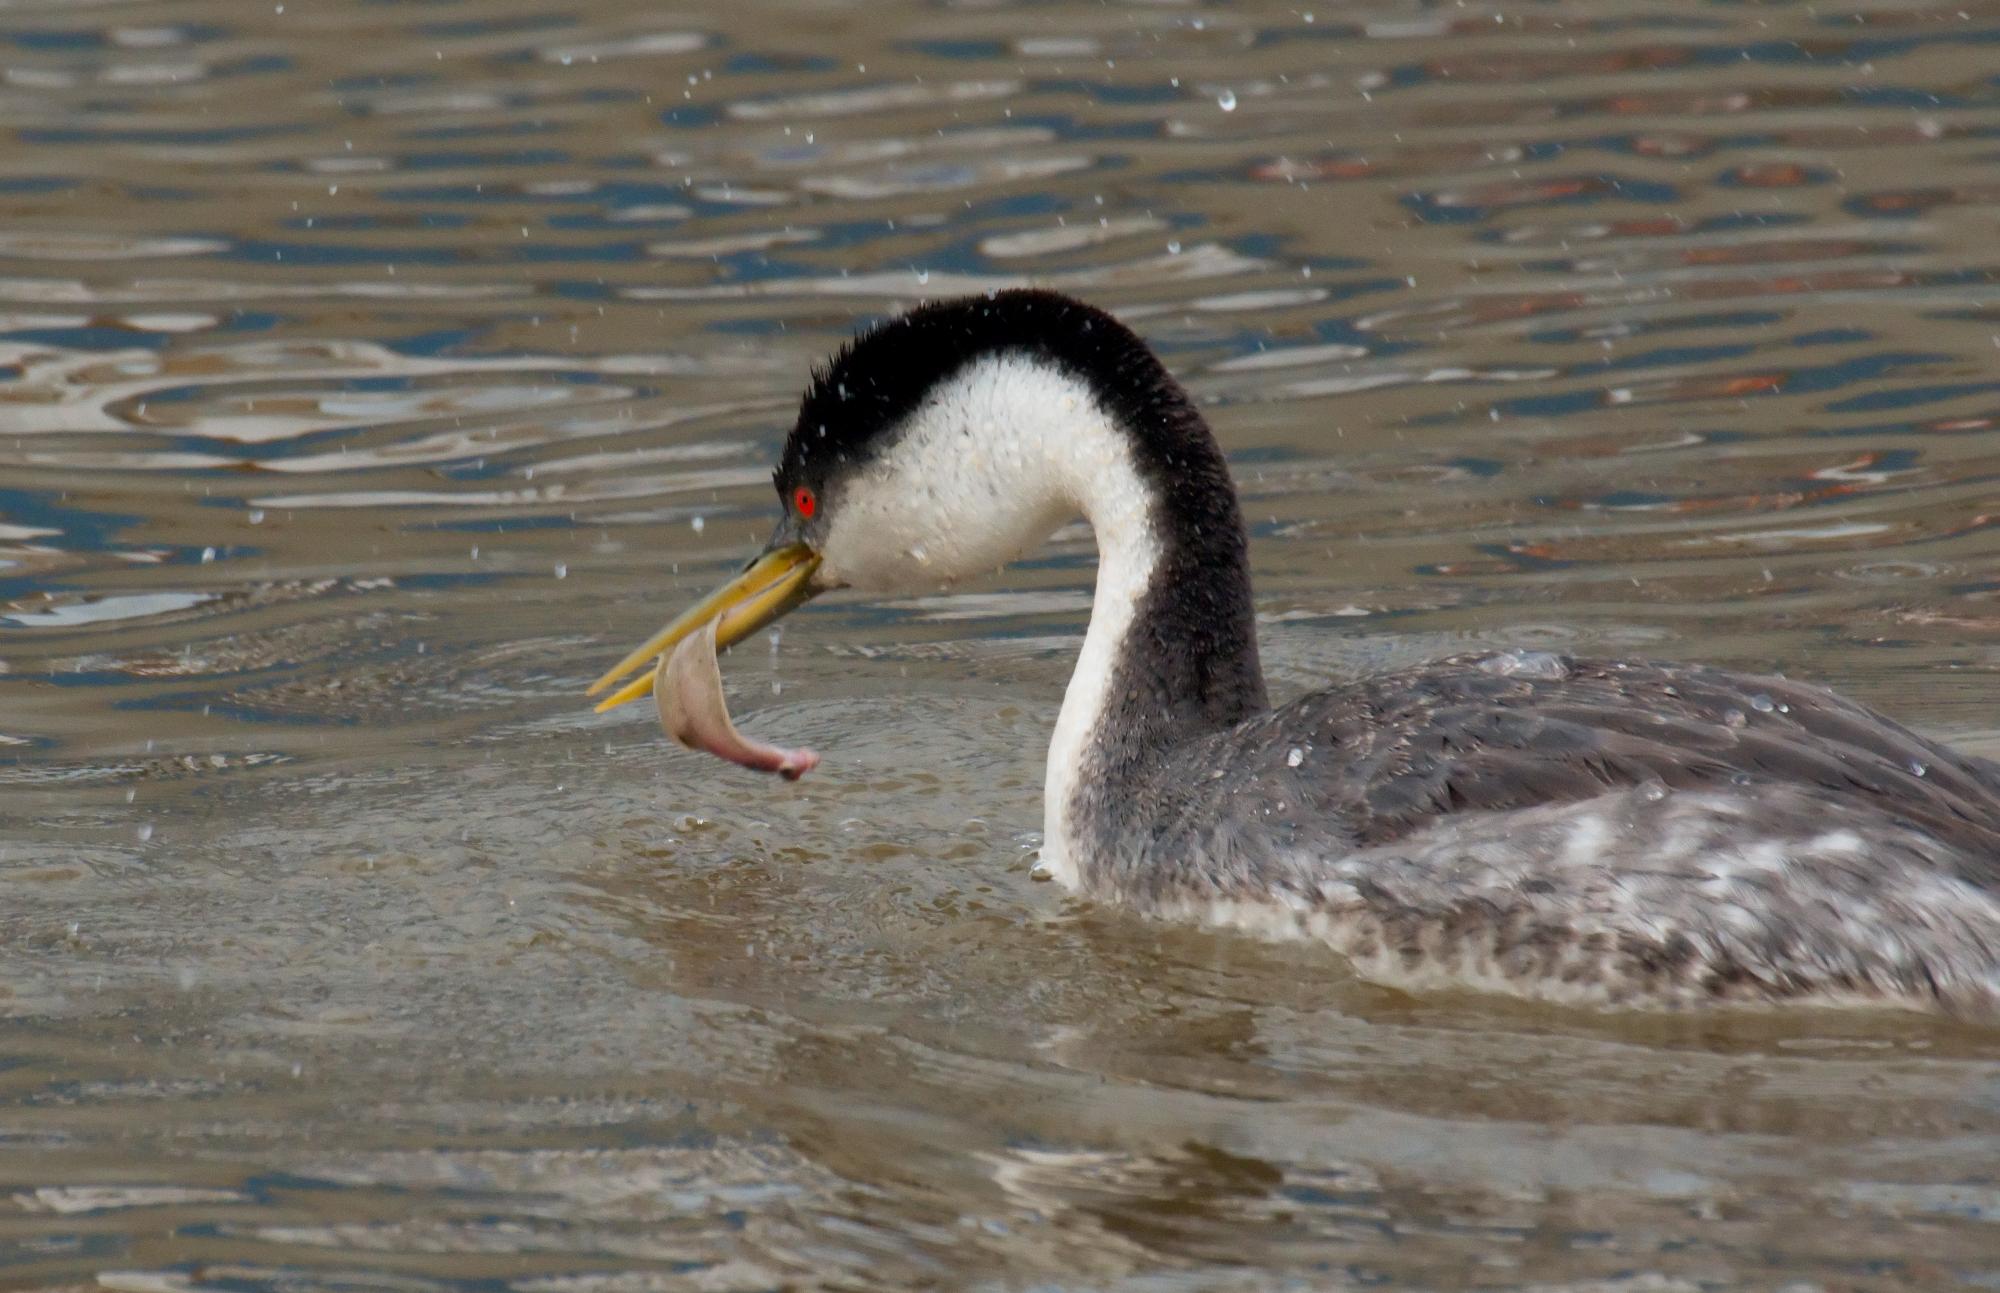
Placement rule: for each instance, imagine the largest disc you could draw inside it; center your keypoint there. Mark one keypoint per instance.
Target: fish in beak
(687, 688)
(776, 582)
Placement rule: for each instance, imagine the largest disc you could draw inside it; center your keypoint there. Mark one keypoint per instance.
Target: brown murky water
(373, 374)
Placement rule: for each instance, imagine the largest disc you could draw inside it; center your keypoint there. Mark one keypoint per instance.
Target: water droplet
(923, 276)
(207, 555)
(562, 571)
(145, 832)
(1653, 792)
(1526, 664)
(1734, 718)
(257, 516)
(1919, 768)
(1226, 101)
(1762, 704)
(1295, 758)
(1174, 248)
(699, 524)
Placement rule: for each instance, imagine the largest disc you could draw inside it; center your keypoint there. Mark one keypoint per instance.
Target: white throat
(984, 471)
(1127, 551)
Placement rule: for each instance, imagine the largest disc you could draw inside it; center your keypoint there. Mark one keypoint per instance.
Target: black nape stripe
(856, 402)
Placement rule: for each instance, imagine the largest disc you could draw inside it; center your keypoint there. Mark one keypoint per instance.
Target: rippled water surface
(372, 374)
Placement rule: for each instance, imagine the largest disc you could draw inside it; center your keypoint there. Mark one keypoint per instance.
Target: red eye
(804, 502)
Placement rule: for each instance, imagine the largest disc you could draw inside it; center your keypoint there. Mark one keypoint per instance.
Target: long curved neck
(1025, 397)
(1171, 651)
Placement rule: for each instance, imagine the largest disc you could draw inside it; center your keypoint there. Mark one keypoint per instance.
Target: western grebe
(1600, 832)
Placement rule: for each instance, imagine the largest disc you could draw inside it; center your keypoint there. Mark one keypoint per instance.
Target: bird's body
(1586, 831)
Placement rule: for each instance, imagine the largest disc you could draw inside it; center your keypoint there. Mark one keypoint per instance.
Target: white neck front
(955, 497)
(1120, 512)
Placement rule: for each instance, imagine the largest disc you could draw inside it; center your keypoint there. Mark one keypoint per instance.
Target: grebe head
(951, 441)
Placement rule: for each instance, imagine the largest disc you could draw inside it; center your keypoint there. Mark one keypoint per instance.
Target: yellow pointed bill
(770, 586)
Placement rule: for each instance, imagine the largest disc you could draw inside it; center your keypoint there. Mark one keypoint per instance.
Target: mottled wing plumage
(1598, 831)
(1465, 734)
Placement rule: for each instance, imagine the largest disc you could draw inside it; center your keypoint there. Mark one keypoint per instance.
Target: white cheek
(897, 533)
(873, 548)
(982, 473)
